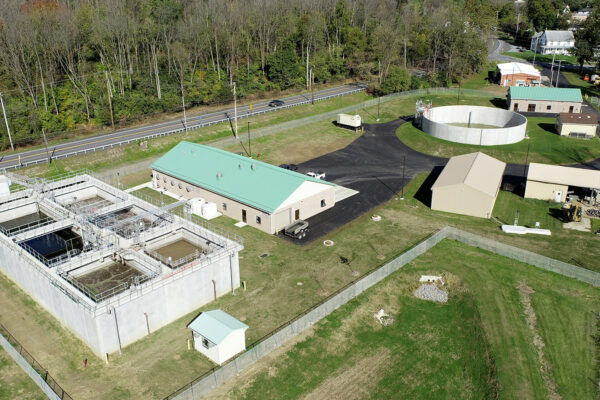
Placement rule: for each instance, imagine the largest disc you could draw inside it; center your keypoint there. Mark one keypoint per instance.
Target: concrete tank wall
(511, 126)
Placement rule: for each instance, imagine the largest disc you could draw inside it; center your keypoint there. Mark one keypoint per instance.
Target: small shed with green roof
(257, 193)
(541, 99)
(218, 335)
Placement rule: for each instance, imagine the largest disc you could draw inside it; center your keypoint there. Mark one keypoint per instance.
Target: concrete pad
(342, 193)
(240, 224)
(585, 225)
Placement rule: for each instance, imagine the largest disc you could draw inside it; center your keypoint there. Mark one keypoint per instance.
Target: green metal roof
(252, 182)
(216, 325)
(545, 93)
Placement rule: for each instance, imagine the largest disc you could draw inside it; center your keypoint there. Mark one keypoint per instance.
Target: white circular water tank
(484, 126)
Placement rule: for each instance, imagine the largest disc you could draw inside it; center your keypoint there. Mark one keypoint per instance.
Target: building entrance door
(243, 215)
(558, 196)
(297, 215)
(571, 109)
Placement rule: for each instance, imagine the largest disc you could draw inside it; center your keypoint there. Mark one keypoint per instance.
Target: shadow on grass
(498, 102)
(550, 128)
(558, 214)
(423, 194)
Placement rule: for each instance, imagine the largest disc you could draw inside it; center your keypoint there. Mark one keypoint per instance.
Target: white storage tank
(197, 204)
(350, 121)
(209, 210)
(4, 185)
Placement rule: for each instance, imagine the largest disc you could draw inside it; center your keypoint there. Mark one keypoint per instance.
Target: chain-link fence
(218, 375)
(30, 365)
(528, 257)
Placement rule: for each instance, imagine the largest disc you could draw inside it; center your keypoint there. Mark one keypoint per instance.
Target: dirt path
(246, 377)
(353, 382)
(545, 366)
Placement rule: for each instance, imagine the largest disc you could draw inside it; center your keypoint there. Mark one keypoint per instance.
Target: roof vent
(240, 165)
(253, 166)
(219, 175)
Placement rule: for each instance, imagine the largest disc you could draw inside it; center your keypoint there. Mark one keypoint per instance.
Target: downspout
(114, 313)
(231, 272)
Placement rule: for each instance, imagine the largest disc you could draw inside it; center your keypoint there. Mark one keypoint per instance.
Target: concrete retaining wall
(511, 126)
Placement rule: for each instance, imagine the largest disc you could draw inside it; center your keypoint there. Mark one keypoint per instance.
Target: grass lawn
(14, 383)
(478, 345)
(528, 55)
(273, 295)
(481, 81)
(588, 89)
(544, 145)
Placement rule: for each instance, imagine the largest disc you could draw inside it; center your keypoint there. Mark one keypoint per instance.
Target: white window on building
(323, 204)
(205, 342)
(172, 182)
(188, 188)
(258, 220)
(180, 185)
(224, 207)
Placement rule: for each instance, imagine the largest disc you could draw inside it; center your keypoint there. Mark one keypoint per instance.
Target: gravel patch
(431, 292)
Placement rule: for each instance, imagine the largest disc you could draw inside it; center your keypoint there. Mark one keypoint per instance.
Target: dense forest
(72, 64)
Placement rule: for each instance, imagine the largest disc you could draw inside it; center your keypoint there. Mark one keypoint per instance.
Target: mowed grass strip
(478, 345)
(14, 382)
(544, 145)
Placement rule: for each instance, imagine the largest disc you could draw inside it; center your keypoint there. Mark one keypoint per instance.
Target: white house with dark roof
(218, 335)
(553, 42)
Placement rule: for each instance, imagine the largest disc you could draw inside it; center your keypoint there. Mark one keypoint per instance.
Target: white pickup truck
(317, 174)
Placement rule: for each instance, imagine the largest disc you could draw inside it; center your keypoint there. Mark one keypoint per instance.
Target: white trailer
(349, 121)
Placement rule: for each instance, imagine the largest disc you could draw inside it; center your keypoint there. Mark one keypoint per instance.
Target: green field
(14, 383)
(544, 145)
(480, 345)
(528, 55)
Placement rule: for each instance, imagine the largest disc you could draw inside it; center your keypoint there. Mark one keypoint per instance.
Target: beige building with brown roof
(577, 125)
(468, 185)
(552, 182)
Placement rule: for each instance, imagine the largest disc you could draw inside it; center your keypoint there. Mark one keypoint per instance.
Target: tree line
(73, 64)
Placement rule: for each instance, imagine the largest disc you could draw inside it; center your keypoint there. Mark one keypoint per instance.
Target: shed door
(571, 109)
(558, 196)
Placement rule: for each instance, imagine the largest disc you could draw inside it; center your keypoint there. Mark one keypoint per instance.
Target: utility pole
(552, 69)
(235, 110)
(557, 74)
(403, 168)
(312, 84)
(379, 70)
(535, 49)
(109, 94)
(518, 17)
(6, 121)
(249, 145)
(46, 143)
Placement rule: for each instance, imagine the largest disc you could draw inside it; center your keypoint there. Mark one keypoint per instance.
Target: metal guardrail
(43, 372)
(178, 130)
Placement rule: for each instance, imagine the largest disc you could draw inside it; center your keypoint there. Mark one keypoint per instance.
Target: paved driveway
(372, 165)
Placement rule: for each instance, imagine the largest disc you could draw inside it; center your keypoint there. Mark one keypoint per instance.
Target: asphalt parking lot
(372, 165)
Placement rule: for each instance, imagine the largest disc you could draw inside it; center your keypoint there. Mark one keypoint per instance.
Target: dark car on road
(291, 167)
(276, 103)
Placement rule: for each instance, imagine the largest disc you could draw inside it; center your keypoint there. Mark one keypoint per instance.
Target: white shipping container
(353, 121)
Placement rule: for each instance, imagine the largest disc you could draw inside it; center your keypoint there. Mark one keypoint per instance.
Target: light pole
(535, 49)
(6, 121)
(557, 74)
(235, 110)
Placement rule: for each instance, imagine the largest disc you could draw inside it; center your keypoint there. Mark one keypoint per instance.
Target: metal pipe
(215, 288)
(6, 121)
(114, 313)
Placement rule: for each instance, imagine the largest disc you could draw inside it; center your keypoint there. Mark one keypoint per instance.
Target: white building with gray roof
(553, 42)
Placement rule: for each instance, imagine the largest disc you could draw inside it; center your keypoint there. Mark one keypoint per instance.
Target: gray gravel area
(431, 292)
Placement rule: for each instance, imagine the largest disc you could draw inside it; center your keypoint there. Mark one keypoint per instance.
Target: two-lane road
(124, 136)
